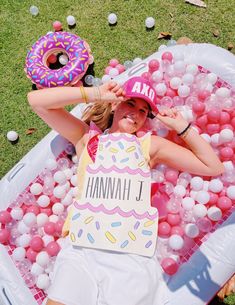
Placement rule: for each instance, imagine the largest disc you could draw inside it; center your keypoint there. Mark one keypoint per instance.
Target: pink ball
(33, 209)
(52, 59)
(59, 226)
(113, 62)
(36, 243)
(224, 203)
(224, 118)
(167, 56)
(31, 255)
(169, 265)
(173, 219)
(202, 121)
(171, 175)
(146, 75)
(4, 236)
(214, 115)
(170, 92)
(5, 217)
(203, 94)
(49, 228)
(47, 211)
(107, 70)
(226, 126)
(226, 153)
(177, 230)
(57, 26)
(164, 229)
(213, 198)
(53, 248)
(198, 107)
(153, 65)
(212, 128)
(233, 122)
(120, 68)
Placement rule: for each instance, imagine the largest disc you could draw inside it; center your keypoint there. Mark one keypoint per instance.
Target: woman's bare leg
(51, 302)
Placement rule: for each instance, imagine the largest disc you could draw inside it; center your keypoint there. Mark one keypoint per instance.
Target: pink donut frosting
(76, 49)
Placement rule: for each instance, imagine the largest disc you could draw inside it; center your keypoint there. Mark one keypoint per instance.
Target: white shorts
(94, 277)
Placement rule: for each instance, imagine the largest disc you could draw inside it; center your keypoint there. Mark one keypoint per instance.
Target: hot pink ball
(49, 228)
(177, 230)
(202, 121)
(33, 209)
(120, 68)
(146, 75)
(224, 118)
(113, 62)
(214, 115)
(4, 236)
(167, 56)
(5, 217)
(107, 70)
(164, 229)
(226, 153)
(53, 248)
(47, 211)
(173, 219)
(31, 255)
(36, 243)
(213, 198)
(203, 94)
(198, 107)
(153, 65)
(57, 26)
(212, 128)
(59, 226)
(171, 176)
(224, 203)
(170, 92)
(169, 265)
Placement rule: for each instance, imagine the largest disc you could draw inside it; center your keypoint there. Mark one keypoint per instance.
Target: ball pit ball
(24, 240)
(113, 62)
(169, 265)
(153, 65)
(191, 230)
(199, 210)
(58, 208)
(226, 135)
(214, 213)
(31, 255)
(230, 192)
(52, 59)
(192, 69)
(222, 92)
(176, 242)
(18, 254)
(36, 269)
(43, 281)
(36, 243)
(57, 25)
(177, 230)
(29, 219)
(5, 217)
(71, 20)
(167, 56)
(196, 183)
(33, 209)
(113, 72)
(43, 201)
(204, 224)
(4, 236)
(112, 18)
(202, 197)
(63, 59)
(149, 22)
(175, 82)
(12, 136)
(216, 186)
(53, 248)
(16, 213)
(164, 229)
(224, 203)
(34, 11)
(49, 228)
(173, 219)
(42, 219)
(188, 203)
(22, 228)
(51, 164)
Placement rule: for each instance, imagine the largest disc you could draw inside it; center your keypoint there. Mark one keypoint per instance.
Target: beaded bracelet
(83, 93)
(185, 131)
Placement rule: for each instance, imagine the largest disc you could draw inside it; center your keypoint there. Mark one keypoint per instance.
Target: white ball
(29, 219)
(222, 92)
(157, 76)
(60, 177)
(180, 190)
(47, 239)
(17, 213)
(179, 66)
(175, 82)
(206, 186)
(24, 240)
(176, 242)
(231, 192)
(191, 230)
(42, 259)
(199, 210)
(33, 10)
(149, 22)
(187, 79)
(212, 78)
(214, 213)
(12, 135)
(74, 180)
(42, 219)
(58, 208)
(71, 20)
(112, 18)
(63, 59)
(188, 203)
(215, 139)
(68, 173)
(43, 201)
(183, 91)
(113, 72)
(36, 269)
(22, 228)
(226, 135)
(59, 192)
(215, 186)
(18, 254)
(36, 188)
(51, 164)
(53, 218)
(43, 281)
(75, 159)
(228, 165)
(192, 69)
(196, 183)
(206, 137)
(160, 89)
(67, 200)
(202, 197)
(75, 191)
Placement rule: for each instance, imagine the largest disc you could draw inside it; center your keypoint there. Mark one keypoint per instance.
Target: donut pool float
(77, 51)
(209, 260)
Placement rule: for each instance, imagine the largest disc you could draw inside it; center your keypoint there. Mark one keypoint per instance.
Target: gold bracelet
(83, 93)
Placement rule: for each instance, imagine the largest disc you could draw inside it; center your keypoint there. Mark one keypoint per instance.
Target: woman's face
(130, 116)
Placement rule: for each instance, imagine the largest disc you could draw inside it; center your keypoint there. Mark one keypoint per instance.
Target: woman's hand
(172, 118)
(111, 92)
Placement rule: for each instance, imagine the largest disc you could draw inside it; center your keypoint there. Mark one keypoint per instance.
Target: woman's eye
(143, 111)
(130, 104)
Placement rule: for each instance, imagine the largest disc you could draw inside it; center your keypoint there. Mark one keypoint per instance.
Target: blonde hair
(100, 114)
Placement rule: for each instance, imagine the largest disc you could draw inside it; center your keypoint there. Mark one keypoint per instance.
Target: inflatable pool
(203, 270)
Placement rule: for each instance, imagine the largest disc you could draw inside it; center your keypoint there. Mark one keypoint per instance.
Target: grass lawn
(125, 41)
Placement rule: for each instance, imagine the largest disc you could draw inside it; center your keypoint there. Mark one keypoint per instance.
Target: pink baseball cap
(139, 87)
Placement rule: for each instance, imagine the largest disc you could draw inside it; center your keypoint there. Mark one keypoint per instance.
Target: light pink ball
(171, 176)
(169, 265)
(5, 217)
(113, 62)
(164, 229)
(36, 243)
(224, 203)
(49, 228)
(57, 26)
(4, 236)
(53, 248)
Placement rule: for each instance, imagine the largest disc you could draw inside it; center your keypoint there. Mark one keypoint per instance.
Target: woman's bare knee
(51, 302)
